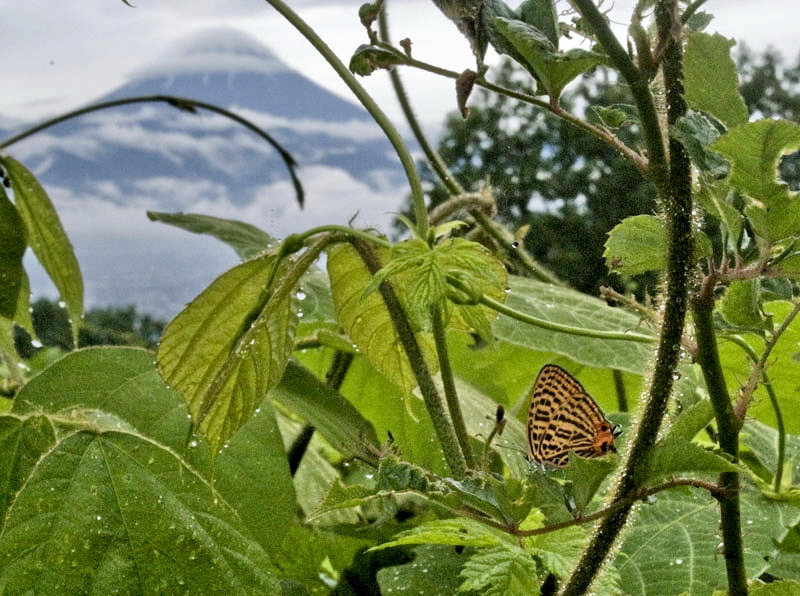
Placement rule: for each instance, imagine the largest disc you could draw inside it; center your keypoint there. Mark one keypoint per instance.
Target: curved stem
(545, 324)
(374, 110)
(181, 103)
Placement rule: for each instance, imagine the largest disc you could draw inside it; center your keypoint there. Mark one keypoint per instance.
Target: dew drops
(62, 304)
(301, 295)
(515, 244)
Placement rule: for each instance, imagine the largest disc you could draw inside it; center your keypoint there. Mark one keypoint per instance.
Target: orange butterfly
(563, 417)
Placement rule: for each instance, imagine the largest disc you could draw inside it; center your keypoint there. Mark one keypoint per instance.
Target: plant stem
(182, 103)
(545, 324)
(450, 393)
(728, 426)
(374, 110)
(430, 395)
(672, 180)
(526, 262)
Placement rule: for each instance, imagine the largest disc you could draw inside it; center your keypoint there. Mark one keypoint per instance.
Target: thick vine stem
(728, 426)
(672, 180)
(430, 394)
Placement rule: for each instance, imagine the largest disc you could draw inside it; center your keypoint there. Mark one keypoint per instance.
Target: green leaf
(696, 132)
(617, 115)
(639, 243)
(585, 476)
(367, 322)
(762, 443)
(691, 421)
(119, 387)
(558, 550)
(114, 512)
(501, 571)
(740, 305)
(13, 242)
(568, 307)
(247, 240)
(227, 348)
(332, 415)
(754, 150)
(716, 199)
(635, 245)
(367, 59)
(684, 525)
(47, 238)
(455, 531)
(671, 456)
(710, 78)
(22, 441)
(553, 69)
(778, 588)
(433, 572)
(542, 15)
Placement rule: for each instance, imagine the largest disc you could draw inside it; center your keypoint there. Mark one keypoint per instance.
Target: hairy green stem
(672, 180)
(374, 110)
(450, 393)
(430, 394)
(728, 426)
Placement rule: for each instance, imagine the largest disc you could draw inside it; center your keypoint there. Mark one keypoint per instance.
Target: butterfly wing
(563, 417)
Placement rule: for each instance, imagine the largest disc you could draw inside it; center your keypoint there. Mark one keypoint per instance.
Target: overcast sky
(62, 54)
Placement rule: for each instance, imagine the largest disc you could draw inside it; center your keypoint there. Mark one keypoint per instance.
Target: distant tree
(569, 187)
(100, 326)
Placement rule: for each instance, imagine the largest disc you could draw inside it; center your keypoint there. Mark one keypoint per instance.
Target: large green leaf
(109, 381)
(120, 388)
(228, 347)
(13, 242)
(366, 319)
(108, 511)
(568, 307)
(710, 78)
(246, 239)
(672, 547)
(754, 150)
(47, 238)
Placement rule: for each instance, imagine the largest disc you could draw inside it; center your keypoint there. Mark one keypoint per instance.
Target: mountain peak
(222, 49)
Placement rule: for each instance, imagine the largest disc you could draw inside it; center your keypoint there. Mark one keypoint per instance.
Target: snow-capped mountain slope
(105, 169)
